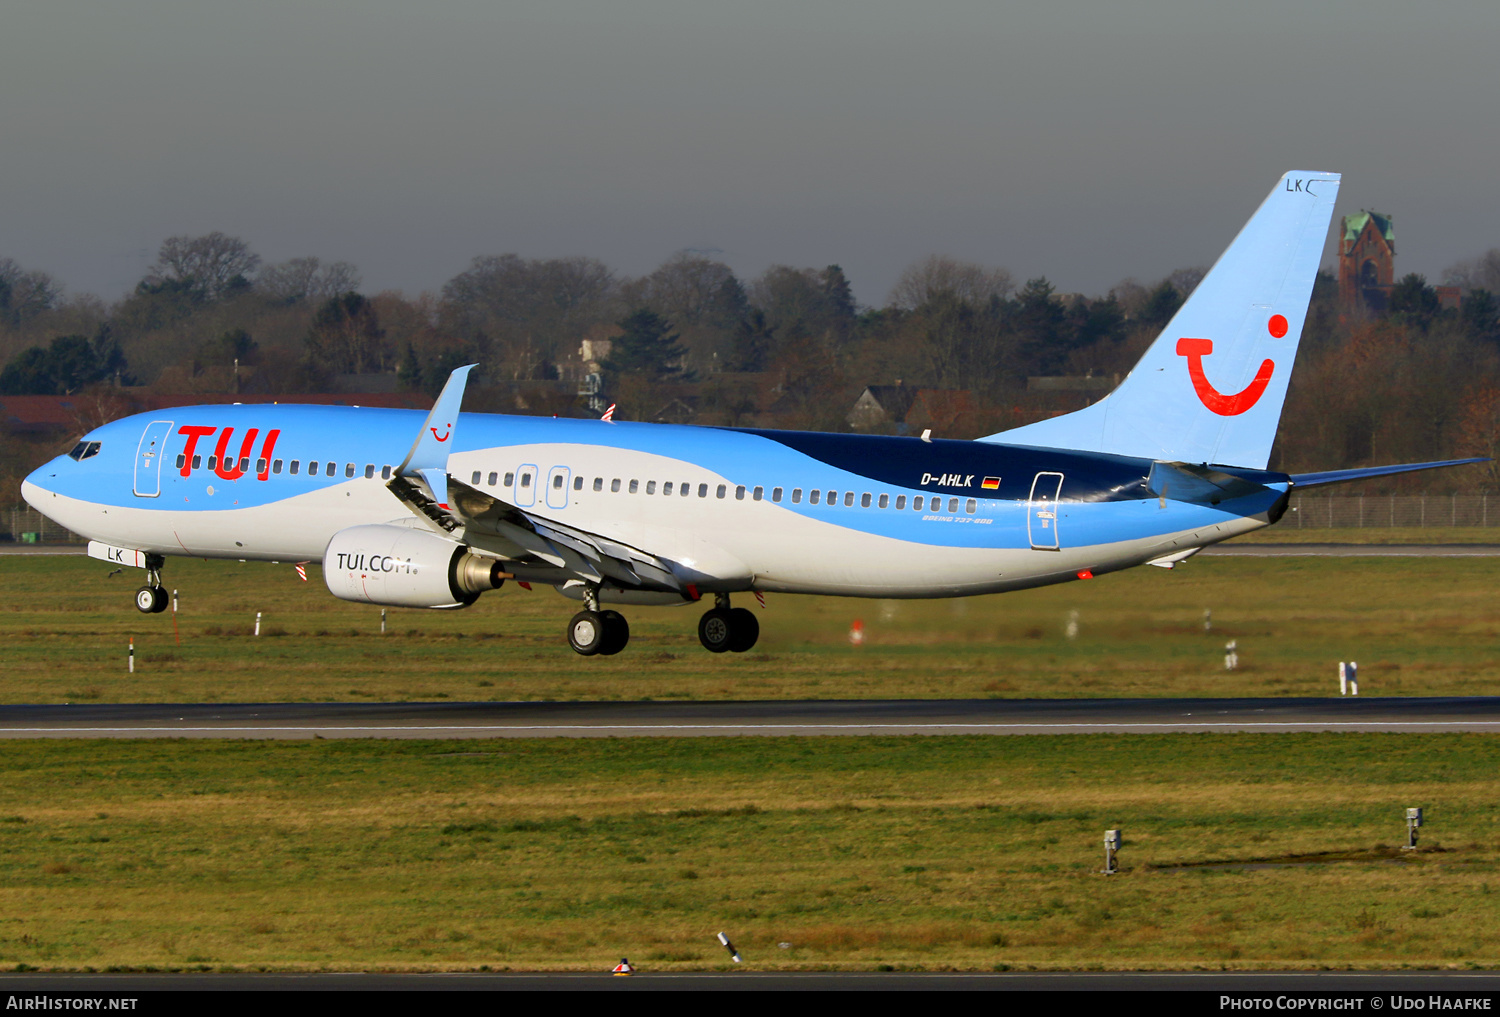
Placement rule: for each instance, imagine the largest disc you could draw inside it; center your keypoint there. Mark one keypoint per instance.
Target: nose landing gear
(727, 629)
(153, 597)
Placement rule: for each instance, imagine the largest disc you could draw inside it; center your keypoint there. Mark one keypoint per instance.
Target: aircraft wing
(520, 535)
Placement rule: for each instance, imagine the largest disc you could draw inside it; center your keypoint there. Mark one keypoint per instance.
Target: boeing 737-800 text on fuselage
(616, 512)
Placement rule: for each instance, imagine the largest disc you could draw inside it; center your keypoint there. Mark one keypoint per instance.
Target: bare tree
(24, 294)
(209, 265)
(685, 288)
(1481, 273)
(307, 279)
(535, 310)
(940, 276)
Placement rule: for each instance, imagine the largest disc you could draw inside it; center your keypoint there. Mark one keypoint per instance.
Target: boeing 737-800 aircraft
(631, 513)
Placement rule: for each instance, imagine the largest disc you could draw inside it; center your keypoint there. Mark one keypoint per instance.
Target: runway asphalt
(761, 718)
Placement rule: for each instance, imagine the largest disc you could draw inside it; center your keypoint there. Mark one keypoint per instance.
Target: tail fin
(1210, 389)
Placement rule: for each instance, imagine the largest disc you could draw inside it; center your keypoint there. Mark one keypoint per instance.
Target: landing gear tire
(716, 630)
(586, 633)
(744, 628)
(616, 632)
(151, 599)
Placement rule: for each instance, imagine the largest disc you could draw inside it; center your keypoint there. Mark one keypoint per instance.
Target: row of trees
(790, 347)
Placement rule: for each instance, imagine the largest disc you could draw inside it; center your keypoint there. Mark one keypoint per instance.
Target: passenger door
(148, 456)
(1041, 515)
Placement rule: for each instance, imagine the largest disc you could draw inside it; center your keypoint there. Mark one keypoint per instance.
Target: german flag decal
(991, 484)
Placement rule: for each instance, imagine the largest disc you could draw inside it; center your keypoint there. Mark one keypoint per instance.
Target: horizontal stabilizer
(1345, 476)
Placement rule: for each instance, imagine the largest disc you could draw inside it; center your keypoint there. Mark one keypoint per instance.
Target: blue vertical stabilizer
(1210, 389)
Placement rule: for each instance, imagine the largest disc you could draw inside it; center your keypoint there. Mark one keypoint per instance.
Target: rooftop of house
(1355, 224)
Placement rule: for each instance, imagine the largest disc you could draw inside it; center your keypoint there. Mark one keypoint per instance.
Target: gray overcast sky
(1083, 141)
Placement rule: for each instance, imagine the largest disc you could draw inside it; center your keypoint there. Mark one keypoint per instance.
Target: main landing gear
(725, 628)
(593, 631)
(153, 597)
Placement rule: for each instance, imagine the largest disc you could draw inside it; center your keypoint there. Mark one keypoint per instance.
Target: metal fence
(23, 520)
(1335, 511)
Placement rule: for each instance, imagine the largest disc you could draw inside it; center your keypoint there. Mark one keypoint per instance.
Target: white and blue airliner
(431, 513)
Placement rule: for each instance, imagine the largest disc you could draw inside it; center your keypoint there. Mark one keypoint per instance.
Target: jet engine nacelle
(398, 566)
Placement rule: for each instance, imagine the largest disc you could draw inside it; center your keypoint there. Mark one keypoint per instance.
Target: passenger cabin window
(685, 488)
(722, 490)
(213, 461)
(970, 506)
(758, 494)
(703, 490)
(796, 496)
(739, 493)
(475, 478)
(312, 466)
(916, 503)
(614, 486)
(369, 471)
(330, 469)
(775, 494)
(650, 487)
(578, 483)
(901, 501)
(276, 466)
(666, 488)
(848, 499)
(598, 483)
(952, 504)
(525, 480)
(885, 501)
(385, 472)
(864, 500)
(296, 466)
(181, 460)
(260, 466)
(245, 464)
(197, 462)
(813, 496)
(494, 479)
(557, 482)
(635, 486)
(510, 479)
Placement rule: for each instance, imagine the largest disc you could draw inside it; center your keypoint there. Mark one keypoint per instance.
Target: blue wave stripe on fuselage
(1103, 498)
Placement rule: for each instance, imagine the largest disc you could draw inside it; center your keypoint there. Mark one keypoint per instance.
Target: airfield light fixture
(1111, 847)
(1413, 821)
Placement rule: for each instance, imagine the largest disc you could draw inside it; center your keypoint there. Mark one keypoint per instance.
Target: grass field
(1416, 627)
(1373, 535)
(909, 852)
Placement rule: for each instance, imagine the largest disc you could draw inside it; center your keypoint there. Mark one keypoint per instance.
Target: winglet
(430, 450)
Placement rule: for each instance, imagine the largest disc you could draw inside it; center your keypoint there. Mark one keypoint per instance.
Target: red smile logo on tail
(1228, 405)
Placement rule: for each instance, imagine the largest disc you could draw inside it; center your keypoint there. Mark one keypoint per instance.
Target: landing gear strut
(153, 597)
(593, 631)
(727, 629)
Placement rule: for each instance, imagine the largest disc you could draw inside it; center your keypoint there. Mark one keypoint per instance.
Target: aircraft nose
(34, 487)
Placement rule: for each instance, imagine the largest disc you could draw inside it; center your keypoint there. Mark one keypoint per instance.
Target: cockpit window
(84, 450)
